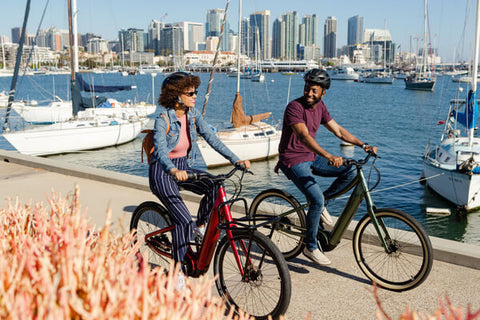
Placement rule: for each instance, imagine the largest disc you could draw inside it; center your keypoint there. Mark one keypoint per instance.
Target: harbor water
(399, 122)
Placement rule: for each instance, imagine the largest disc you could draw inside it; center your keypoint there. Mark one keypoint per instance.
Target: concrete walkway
(339, 291)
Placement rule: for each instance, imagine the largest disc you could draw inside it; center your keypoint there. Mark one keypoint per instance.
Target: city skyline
(403, 19)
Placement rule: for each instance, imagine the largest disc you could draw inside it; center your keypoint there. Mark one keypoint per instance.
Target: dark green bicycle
(390, 246)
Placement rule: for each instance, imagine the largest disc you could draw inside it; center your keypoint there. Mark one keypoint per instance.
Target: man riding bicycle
(301, 158)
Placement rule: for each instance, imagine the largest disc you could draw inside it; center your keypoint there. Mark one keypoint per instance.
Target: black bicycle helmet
(174, 78)
(318, 76)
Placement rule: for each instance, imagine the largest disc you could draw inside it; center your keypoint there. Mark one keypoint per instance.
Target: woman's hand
(244, 163)
(179, 175)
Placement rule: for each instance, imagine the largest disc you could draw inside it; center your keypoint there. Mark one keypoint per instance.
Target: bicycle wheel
(410, 258)
(289, 231)
(149, 217)
(265, 287)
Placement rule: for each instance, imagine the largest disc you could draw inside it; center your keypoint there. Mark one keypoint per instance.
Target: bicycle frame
(330, 239)
(220, 219)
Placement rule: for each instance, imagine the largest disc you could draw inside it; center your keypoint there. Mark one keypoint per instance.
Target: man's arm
(300, 129)
(346, 136)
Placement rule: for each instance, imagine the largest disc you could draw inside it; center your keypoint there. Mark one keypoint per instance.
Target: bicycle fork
(380, 227)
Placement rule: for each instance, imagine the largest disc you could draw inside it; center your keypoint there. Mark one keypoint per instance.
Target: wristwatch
(364, 146)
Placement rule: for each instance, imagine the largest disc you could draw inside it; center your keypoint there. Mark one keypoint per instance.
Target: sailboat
(78, 134)
(249, 137)
(59, 110)
(452, 168)
(424, 80)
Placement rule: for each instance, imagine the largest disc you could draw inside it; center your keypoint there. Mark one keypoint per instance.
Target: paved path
(339, 291)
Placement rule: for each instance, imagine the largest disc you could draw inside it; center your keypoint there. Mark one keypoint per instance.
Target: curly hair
(174, 85)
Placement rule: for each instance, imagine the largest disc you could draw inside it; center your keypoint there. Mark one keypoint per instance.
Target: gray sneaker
(316, 256)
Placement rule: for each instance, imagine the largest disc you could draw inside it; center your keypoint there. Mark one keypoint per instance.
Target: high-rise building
(213, 27)
(246, 36)
(16, 33)
(285, 36)
(153, 36)
(192, 34)
(260, 28)
(355, 30)
(171, 43)
(131, 40)
(330, 38)
(309, 30)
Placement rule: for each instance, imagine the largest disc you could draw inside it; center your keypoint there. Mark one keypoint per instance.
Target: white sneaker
(316, 256)
(326, 218)
(180, 286)
(198, 233)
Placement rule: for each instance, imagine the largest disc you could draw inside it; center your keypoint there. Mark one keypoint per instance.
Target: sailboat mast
(239, 43)
(424, 63)
(475, 67)
(18, 61)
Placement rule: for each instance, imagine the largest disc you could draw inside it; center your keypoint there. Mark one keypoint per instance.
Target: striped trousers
(167, 190)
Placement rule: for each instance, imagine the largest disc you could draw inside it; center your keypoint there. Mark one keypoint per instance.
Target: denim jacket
(164, 143)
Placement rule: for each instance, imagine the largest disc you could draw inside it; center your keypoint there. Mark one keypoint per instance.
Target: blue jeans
(303, 176)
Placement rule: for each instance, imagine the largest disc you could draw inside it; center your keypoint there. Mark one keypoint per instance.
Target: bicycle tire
(275, 202)
(147, 218)
(411, 259)
(265, 289)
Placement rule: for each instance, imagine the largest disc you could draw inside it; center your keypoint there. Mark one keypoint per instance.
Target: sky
(403, 18)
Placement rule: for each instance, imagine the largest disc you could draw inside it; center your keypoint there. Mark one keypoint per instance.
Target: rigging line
(210, 81)
(397, 186)
(33, 45)
(407, 183)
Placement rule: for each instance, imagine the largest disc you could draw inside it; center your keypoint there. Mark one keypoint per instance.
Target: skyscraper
(16, 33)
(309, 30)
(260, 28)
(153, 36)
(355, 30)
(285, 36)
(213, 27)
(330, 38)
(192, 34)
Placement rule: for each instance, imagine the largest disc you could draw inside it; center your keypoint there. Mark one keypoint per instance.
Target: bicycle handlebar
(220, 177)
(360, 162)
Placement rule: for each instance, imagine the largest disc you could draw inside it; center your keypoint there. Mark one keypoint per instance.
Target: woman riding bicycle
(301, 157)
(175, 133)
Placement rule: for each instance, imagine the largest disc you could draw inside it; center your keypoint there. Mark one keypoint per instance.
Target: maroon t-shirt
(291, 150)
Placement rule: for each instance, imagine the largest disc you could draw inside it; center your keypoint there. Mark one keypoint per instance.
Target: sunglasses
(191, 93)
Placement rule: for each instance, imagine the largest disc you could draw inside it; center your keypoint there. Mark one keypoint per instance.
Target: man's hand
(368, 148)
(335, 161)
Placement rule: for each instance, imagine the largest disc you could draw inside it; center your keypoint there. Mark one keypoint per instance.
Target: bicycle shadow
(299, 265)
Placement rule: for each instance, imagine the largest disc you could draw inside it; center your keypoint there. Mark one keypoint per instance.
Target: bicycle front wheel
(262, 285)
(288, 232)
(408, 258)
(147, 218)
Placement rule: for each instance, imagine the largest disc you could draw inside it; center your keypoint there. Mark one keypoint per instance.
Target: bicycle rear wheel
(265, 287)
(147, 218)
(410, 256)
(288, 233)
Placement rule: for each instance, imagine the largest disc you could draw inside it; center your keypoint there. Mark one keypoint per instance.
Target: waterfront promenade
(338, 291)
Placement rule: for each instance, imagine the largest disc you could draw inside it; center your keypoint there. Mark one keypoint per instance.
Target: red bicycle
(252, 274)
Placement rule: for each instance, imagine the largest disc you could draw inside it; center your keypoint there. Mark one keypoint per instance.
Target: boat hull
(420, 85)
(458, 188)
(74, 136)
(60, 111)
(253, 142)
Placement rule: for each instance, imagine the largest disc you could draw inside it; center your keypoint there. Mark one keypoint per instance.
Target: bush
(56, 265)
